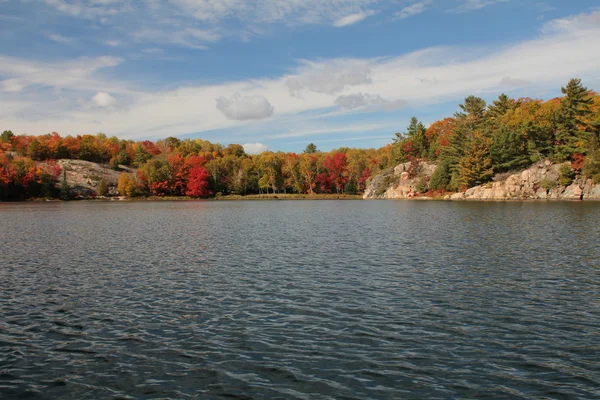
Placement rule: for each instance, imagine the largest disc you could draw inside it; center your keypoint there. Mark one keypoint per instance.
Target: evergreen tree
(7, 136)
(310, 148)
(475, 167)
(473, 108)
(416, 134)
(509, 150)
(64, 187)
(501, 106)
(440, 179)
(571, 135)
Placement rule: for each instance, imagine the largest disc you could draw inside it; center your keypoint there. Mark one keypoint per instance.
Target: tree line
(469, 148)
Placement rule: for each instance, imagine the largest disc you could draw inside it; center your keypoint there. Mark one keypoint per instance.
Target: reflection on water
(300, 300)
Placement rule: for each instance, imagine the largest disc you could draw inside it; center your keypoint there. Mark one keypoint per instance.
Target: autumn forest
(469, 148)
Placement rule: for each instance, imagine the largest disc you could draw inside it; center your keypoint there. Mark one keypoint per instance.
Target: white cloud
(362, 100)
(311, 131)
(73, 74)
(194, 23)
(548, 61)
(59, 38)
(112, 43)
(103, 99)
(472, 5)
(294, 12)
(243, 108)
(509, 82)
(329, 78)
(414, 9)
(11, 85)
(255, 148)
(352, 18)
(581, 22)
(190, 37)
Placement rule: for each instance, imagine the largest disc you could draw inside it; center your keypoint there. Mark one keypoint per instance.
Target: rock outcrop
(83, 177)
(405, 181)
(540, 181)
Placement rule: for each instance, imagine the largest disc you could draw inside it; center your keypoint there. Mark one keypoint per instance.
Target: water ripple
(300, 300)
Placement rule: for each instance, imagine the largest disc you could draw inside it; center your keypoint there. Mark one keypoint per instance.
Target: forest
(470, 147)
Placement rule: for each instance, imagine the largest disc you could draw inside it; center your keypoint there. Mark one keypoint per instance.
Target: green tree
(64, 187)
(509, 150)
(571, 135)
(475, 167)
(310, 148)
(7, 136)
(440, 179)
(501, 106)
(102, 189)
(416, 134)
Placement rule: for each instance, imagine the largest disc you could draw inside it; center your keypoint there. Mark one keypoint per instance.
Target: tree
(571, 135)
(7, 137)
(440, 179)
(64, 187)
(126, 185)
(501, 106)
(198, 185)
(509, 150)
(337, 166)
(472, 108)
(475, 167)
(102, 189)
(310, 148)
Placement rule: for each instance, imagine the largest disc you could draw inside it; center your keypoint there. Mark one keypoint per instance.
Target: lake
(300, 300)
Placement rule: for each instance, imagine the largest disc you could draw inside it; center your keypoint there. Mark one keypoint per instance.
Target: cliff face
(540, 181)
(405, 181)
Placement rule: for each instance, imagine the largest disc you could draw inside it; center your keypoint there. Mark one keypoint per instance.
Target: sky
(279, 74)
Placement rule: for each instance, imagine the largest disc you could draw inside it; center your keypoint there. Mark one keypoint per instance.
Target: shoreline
(299, 197)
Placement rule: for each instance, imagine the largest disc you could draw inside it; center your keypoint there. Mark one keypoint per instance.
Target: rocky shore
(541, 181)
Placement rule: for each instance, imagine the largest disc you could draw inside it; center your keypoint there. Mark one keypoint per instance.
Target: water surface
(300, 300)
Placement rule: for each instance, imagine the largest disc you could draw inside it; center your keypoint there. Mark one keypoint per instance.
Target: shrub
(422, 184)
(547, 184)
(440, 178)
(387, 181)
(102, 189)
(566, 175)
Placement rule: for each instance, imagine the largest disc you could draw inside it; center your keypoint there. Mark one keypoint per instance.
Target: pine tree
(500, 107)
(310, 148)
(64, 187)
(416, 134)
(571, 135)
(475, 167)
(509, 150)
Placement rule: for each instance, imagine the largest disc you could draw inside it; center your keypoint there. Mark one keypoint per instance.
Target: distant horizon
(278, 75)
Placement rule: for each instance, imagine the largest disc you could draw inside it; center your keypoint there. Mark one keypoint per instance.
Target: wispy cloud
(414, 9)
(112, 42)
(59, 38)
(75, 74)
(329, 130)
(472, 5)
(190, 37)
(352, 18)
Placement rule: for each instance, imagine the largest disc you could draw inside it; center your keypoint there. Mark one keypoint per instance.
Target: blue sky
(278, 74)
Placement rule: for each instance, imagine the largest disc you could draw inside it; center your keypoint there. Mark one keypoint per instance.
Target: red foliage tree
(197, 185)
